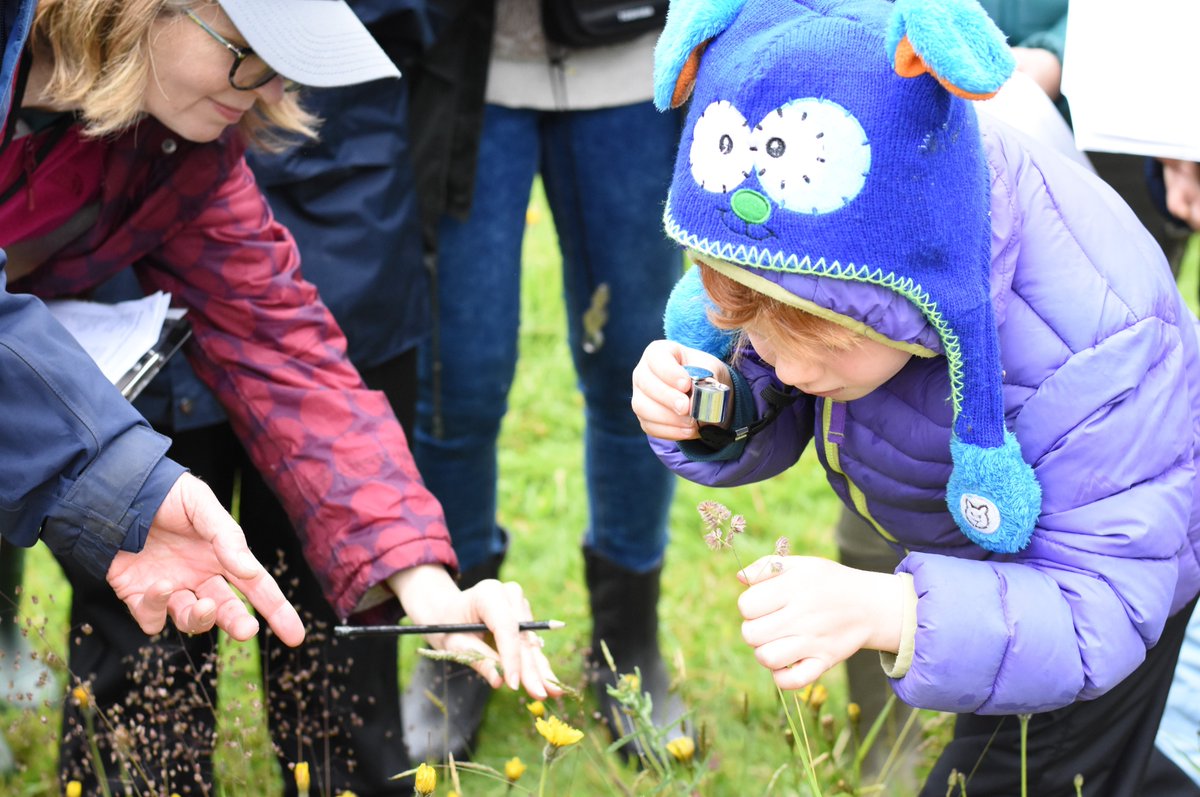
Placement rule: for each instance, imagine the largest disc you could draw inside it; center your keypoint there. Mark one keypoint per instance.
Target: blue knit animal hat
(832, 139)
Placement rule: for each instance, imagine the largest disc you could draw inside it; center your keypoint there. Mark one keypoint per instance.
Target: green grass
(543, 506)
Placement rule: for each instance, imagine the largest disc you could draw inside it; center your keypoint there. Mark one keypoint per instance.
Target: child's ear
(954, 41)
(690, 25)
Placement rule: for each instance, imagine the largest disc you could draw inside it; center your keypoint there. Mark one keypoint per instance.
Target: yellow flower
(301, 775)
(854, 712)
(815, 695)
(83, 698)
(425, 780)
(630, 681)
(514, 768)
(346, 793)
(683, 748)
(557, 732)
(74, 789)
(537, 708)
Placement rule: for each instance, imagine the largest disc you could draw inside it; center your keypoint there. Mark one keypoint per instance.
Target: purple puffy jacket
(1101, 388)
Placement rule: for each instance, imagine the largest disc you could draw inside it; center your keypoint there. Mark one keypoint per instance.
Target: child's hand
(805, 614)
(661, 389)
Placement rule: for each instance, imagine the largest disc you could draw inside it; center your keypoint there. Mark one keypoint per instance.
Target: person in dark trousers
(509, 104)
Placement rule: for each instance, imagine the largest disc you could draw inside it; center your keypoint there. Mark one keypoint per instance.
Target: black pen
(445, 628)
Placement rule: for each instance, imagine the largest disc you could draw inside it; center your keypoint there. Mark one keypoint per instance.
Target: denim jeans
(606, 174)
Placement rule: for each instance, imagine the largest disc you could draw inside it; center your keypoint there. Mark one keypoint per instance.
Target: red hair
(738, 306)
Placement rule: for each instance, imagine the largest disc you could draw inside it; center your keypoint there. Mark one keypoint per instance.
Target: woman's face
(189, 90)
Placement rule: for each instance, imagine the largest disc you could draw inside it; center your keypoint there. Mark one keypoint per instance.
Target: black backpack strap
(777, 401)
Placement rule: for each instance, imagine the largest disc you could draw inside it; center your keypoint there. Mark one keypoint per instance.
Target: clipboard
(175, 332)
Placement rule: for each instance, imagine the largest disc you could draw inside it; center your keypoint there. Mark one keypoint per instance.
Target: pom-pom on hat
(832, 139)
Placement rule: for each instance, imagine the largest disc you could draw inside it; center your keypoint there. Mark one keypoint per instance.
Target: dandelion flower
(302, 779)
(537, 708)
(557, 732)
(74, 789)
(83, 698)
(514, 768)
(682, 748)
(815, 695)
(425, 780)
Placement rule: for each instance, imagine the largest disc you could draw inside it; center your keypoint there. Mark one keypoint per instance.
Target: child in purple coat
(984, 347)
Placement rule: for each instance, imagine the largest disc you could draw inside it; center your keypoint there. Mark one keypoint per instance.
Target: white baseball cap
(317, 43)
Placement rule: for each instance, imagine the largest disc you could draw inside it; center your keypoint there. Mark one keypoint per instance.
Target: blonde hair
(738, 306)
(102, 66)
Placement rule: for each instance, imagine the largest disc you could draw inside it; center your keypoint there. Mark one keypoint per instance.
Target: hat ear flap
(690, 24)
(687, 75)
(954, 41)
(686, 318)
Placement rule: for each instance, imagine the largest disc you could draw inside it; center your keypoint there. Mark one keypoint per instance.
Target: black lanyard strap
(777, 401)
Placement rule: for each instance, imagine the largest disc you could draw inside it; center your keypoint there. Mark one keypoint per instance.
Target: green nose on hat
(750, 206)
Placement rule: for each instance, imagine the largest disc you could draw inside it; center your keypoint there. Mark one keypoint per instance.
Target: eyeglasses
(249, 71)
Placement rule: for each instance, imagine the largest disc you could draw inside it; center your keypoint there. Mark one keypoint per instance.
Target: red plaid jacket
(190, 220)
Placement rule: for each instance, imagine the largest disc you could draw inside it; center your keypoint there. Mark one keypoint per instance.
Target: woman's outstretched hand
(429, 595)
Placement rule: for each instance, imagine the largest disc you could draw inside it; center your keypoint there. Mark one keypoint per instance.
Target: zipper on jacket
(833, 430)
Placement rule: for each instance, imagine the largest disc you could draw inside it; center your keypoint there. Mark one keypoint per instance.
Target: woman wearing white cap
(124, 148)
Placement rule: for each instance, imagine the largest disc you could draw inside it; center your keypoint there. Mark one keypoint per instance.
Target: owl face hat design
(833, 139)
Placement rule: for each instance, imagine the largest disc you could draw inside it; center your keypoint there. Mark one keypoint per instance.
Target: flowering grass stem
(894, 753)
(1024, 719)
(868, 741)
(97, 761)
(801, 736)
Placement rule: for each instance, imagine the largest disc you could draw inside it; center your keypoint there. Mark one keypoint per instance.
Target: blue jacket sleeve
(79, 468)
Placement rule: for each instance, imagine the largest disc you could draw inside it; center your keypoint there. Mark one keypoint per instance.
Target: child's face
(843, 375)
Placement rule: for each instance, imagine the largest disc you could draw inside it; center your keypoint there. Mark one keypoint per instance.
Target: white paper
(114, 335)
(1129, 73)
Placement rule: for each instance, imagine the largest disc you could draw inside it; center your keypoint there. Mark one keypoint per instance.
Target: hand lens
(710, 397)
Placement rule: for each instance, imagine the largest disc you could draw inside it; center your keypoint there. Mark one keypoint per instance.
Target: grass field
(543, 507)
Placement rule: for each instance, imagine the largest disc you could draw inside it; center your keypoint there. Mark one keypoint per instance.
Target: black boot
(444, 702)
(625, 616)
